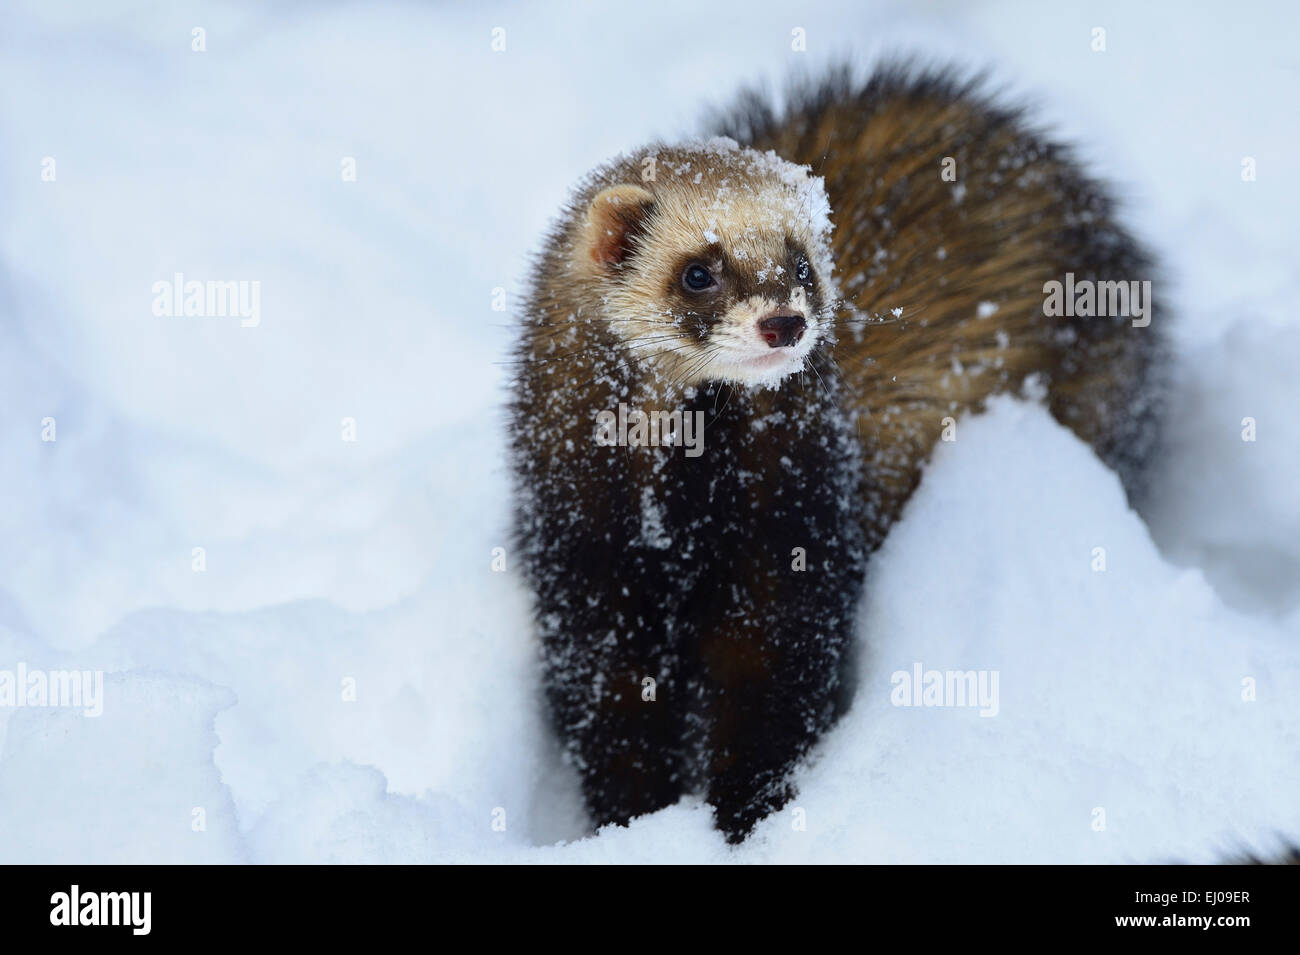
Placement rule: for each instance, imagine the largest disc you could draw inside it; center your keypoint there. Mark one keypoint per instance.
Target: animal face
(715, 271)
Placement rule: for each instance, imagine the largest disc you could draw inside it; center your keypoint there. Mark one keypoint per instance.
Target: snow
(349, 679)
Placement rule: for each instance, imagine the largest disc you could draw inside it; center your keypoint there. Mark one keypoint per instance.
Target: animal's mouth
(766, 367)
(769, 359)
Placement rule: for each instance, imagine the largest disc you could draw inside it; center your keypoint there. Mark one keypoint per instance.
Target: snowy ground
(332, 564)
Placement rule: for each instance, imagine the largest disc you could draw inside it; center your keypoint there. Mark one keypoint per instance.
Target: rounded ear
(614, 216)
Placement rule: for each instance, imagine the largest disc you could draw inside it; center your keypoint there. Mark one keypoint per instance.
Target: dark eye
(803, 271)
(697, 278)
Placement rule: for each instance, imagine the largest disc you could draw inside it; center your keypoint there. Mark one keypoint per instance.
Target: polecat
(696, 594)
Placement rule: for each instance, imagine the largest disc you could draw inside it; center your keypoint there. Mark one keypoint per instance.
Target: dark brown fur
(752, 661)
(1029, 216)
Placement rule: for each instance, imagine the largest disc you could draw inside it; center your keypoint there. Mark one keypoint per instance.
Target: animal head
(711, 262)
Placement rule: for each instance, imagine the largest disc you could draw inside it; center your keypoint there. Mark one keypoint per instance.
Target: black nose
(781, 330)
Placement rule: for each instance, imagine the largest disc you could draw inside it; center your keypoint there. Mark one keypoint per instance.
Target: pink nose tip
(780, 331)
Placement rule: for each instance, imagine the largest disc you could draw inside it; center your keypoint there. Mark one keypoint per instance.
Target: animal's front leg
(613, 675)
(775, 660)
(625, 746)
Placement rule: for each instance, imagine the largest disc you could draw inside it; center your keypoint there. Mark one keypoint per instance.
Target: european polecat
(724, 400)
